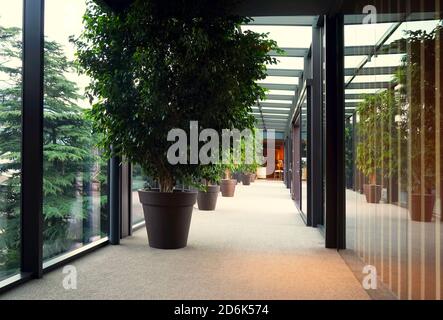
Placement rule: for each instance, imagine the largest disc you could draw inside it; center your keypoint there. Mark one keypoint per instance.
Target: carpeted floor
(254, 246)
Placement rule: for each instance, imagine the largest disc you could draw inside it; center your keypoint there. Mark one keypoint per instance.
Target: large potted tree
(418, 74)
(155, 67)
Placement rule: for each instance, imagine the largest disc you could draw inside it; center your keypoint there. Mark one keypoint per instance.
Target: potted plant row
(157, 66)
(409, 107)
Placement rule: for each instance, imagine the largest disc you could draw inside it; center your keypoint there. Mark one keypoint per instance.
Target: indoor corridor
(254, 246)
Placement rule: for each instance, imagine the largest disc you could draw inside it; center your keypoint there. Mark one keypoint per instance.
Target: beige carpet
(255, 246)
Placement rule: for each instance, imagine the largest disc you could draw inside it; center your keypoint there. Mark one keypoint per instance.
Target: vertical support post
(308, 153)
(316, 172)
(130, 198)
(125, 195)
(335, 166)
(32, 140)
(114, 201)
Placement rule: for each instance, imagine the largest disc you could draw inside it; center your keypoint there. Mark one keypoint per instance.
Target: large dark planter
(168, 217)
(415, 209)
(246, 179)
(208, 200)
(372, 192)
(227, 187)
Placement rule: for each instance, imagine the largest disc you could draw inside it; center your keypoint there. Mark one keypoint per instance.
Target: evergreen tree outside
(74, 186)
(10, 145)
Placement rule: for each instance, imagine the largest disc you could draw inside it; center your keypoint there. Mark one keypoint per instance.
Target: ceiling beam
(303, 21)
(275, 105)
(273, 111)
(279, 97)
(285, 72)
(290, 52)
(371, 50)
(278, 86)
(368, 85)
(355, 96)
(370, 71)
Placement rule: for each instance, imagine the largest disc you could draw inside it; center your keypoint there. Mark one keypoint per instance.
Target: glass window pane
(394, 155)
(139, 181)
(75, 176)
(11, 19)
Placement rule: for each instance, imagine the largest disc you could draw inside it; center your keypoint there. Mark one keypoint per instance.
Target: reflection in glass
(304, 154)
(394, 154)
(10, 137)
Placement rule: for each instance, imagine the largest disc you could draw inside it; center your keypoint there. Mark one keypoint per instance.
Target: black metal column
(114, 201)
(32, 140)
(334, 157)
(125, 195)
(316, 172)
(309, 158)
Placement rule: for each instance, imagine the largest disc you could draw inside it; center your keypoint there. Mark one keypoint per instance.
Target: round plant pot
(415, 209)
(168, 217)
(253, 177)
(372, 193)
(246, 179)
(227, 187)
(208, 200)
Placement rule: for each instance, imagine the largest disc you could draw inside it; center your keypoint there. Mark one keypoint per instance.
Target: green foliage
(418, 104)
(70, 163)
(161, 64)
(210, 174)
(376, 150)
(248, 165)
(349, 155)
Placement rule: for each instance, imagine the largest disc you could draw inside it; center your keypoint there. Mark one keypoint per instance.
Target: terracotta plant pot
(415, 209)
(208, 200)
(253, 177)
(168, 217)
(246, 179)
(372, 192)
(227, 187)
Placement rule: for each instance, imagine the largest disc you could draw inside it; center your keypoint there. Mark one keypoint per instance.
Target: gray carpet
(254, 246)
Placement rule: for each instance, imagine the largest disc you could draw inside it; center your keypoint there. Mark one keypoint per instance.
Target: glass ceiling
(294, 35)
(273, 113)
(378, 70)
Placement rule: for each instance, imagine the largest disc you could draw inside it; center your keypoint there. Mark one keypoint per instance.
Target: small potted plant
(209, 190)
(227, 184)
(248, 165)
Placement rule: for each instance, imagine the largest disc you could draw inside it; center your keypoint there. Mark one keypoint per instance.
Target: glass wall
(75, 176)
(11, 20)
(304, 152)
(139, 181)
(394, 146)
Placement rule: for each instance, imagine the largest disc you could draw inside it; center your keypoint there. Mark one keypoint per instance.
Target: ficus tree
(418, 106)
(376, 147)
(158, 65)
